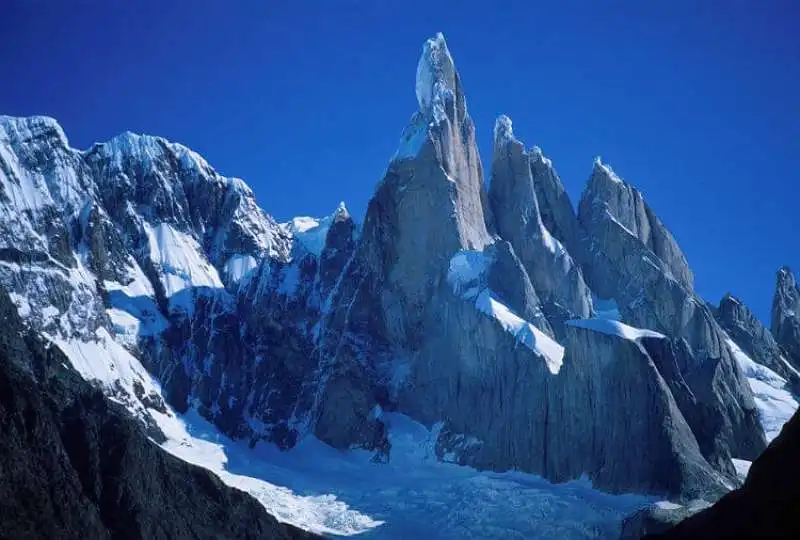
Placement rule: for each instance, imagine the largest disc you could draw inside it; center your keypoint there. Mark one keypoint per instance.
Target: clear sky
(695, 103)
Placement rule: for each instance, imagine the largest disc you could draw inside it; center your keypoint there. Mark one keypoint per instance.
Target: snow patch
(742, 467)
(139, 284)
(416, 495)
(503, 130)
(614, 328)
(466, 272)
(23, 306)
(667, 505)
(435, 73)
(311, 232)
(191, 438)
(180, 259)
(238, 266)
(126, 326)
(551, 242)
(194, 440)
(525, 332)
(774, 402)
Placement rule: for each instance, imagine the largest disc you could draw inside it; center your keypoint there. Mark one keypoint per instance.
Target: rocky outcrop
(144, 182)
(764, 507)
(554, 275)
(786, 315)
(246, 362)
(73, 464)
(460, 348)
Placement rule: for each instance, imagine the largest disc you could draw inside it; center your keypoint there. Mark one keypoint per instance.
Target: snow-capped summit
(503, 130)
(341, 212)
(16, 130)
(436, 76)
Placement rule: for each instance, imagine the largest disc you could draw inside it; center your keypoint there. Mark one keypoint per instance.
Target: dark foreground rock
(767, 506)
(75, 465)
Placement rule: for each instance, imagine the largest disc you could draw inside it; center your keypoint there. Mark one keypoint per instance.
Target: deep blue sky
(695, 103)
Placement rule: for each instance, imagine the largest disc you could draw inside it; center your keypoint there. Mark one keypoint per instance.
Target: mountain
(523, 334)
(74, 464)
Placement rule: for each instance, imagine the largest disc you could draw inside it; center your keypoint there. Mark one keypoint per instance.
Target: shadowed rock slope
(767, 506)
(75, 465)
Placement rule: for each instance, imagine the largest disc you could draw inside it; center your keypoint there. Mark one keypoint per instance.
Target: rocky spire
(512, 197)
(786, 314)
(632, 258)
(608, 196)
(437, 80)
(557, 213)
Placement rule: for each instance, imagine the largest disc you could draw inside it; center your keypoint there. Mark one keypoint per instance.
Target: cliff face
(74, 464)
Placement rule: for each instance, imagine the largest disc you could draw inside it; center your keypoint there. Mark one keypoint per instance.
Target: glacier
(346, 493)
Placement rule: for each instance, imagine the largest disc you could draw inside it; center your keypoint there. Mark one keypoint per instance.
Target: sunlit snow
(179, 258)
(238, 266)
(466, 274)
(614, 328)
(774, 401)
(412, 496)
(525, 332)
(311, 232)
(742, 467)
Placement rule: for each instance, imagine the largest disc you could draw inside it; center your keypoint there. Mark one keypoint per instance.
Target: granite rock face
(557, 213)
(512, 195)
(454, 330)
(654, 292)
(612, 392)
(607, 193)
(786, 315)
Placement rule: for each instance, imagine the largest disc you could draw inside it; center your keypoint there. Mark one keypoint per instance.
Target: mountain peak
(503, 130)
(785, 274)
(341, 212)
(436, 76)
(24, 129)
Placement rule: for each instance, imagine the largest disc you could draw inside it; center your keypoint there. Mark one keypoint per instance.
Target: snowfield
(339, 493)
(412, 496)
(774, 401)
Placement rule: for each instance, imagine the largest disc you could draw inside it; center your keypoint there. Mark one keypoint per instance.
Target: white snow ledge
(526, 333)
(614, 328)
